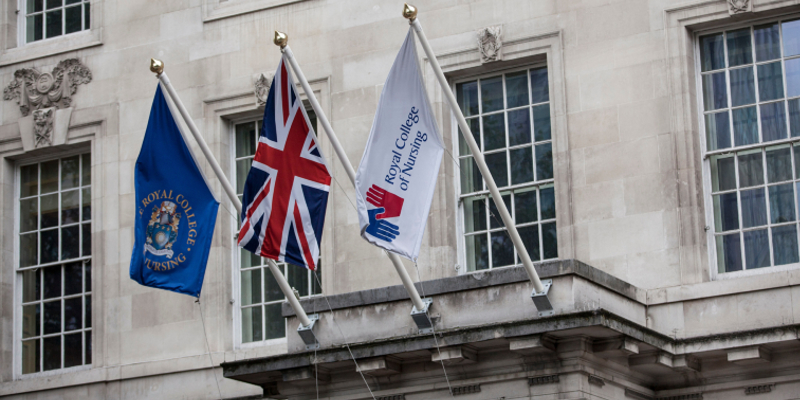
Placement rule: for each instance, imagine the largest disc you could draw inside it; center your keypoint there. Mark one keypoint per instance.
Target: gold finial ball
(281, 39)
(409, 12)
(156, 66)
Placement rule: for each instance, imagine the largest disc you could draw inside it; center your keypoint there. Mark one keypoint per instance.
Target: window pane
(316, 279)
(530, 237)
(745, 126)
(494, 133)
(251, 324)
(467, 93)
(549, 240)
(739, 47)
(726, 213)
(477, 252)
(781, 203)
(793, 77)
(770, 81)
(517, 89)
(525, 205)
(49, 210)
(497, 166)
(547, 199)
(53, 19)
(251, 286)
(49, 246)
(245, 139)
(471, 179)
(715, 92)
(495, 221)
(794, 117)
(86, 244)
(729, 253)
(52, 353)
(756, 249)
(474, 214)
(70, 242)
(88, 313)
(492, 94)
(28, 250)
(88, 275)
(779, 164)
(754, 208)
(540, 91)
(242, 168)
(522, 165)
(519, 127)
(544, 161)
(272, 291)
(298, 278)
(73, 17)
(791, 38)
(30, 356)
(88, 338)
(773, 121)
(276, 324)
(751, 169)
(53, 4)
(475, 128)
(28, 214)
(86, 15)
(29, 180)
(73, 278)
(743, 87)
(248, 259)
(73, 350)
(30, 321)
(34, 29)
(784, 244)
(718, 131)
(73, 314)
(712, 52)
(35, 6)
(31, 285)
(541, 122)
(502, 249)
(767, 42)
(70, 173)
(86, 204)
(86, 169)
(70, 207)
(52, 282)
(723, 174)
(49, 176)
(52, 317)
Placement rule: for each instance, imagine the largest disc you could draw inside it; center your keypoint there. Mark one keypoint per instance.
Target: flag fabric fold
(175, 209)
(397, 175)
(286, 191)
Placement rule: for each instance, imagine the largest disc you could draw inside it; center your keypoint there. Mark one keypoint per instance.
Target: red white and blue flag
(286, 192)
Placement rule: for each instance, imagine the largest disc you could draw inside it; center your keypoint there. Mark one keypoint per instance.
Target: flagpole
(281, 40)
(157, 67)
(540, 290)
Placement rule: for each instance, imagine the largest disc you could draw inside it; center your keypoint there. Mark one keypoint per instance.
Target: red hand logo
(379, 197)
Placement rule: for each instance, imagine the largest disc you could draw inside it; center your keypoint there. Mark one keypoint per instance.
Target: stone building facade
(647, 149)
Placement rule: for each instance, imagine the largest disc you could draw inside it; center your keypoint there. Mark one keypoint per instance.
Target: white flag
(397, 174)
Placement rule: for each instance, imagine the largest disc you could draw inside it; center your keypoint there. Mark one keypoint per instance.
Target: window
(54, 269)
(260, 295)
(750, 87)
(509, 116)
(45, 19)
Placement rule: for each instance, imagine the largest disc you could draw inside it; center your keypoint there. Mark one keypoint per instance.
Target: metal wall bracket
(307, 333)
(541, 301)
(421, 317)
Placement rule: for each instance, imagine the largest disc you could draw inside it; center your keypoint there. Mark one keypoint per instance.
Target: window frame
(22, 20)
(18, 280)
(707, 155)
(462, 267)
(236, 256)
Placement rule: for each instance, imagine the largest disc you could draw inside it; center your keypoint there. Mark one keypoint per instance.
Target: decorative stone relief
(469, 389)
(759, 389)
(596, 380)
(490, 44)
(542, 380)
(35, 90)
(43, 127)
(261, 87)
(739, 6)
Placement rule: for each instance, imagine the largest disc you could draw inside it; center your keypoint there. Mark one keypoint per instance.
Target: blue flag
(175, 209)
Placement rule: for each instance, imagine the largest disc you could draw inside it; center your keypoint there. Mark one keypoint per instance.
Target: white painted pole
(351, 173)
(478, 156)
(226, 185)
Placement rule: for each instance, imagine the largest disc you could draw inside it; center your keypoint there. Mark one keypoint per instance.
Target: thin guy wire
(205, 335)
(316, 362)
(435, 340)
(345, 339)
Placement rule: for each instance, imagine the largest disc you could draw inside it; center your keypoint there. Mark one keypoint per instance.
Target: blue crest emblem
(162, 230)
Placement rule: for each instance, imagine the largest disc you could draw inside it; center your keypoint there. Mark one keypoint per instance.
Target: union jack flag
(286, 191)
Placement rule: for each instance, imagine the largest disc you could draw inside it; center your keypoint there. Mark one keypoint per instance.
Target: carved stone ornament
(739, 6)
(490, 44)
(261, 87)
(43, 127)
(35, 90)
